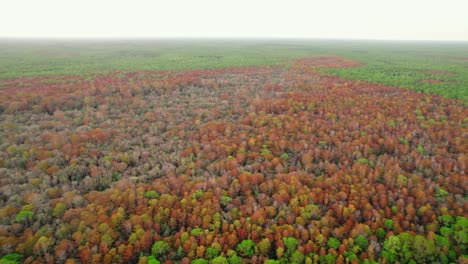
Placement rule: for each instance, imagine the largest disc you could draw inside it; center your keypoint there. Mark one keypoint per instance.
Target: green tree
(13, 258)
(264, 246)
(380, 233)
(442, 241)
(212, 253)
(196, 231)
(159, 248)
(424, 250)
(246, 248)
(151, 194)
(333, 243)
(388, 223)
(328, 259)
(219, 260)
(460, 233)
(153, 260)
(446, 220)
(297, 257)
(59, 210)
(200, 261)
(24, 216)
(291, 245)
(392, 247)
(234, 259)
(362, 242)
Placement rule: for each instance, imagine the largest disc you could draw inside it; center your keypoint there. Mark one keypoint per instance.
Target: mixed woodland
(260, 164)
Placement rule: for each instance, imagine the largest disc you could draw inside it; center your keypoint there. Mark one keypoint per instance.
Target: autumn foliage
(241, 164)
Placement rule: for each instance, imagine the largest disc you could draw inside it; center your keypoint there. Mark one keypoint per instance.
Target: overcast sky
(355, 19)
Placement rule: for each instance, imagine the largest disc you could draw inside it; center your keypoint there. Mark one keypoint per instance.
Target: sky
(335, 19)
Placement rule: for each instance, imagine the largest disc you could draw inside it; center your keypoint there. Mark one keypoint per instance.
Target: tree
(24, 216)
(246, 248)
(159, 248)
(333, 243)
(200, 261)
(219, 260)
(153, 260)
(234, 259)
(380, 233)
(362, 242)
(297, 257)
(211, 252)
(328, 259)
(264, 247)
(424, 250)
(13, 258)
(391, 250)
(291, 245)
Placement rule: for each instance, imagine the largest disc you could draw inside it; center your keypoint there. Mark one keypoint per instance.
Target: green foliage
(59, 210)
(403, 141)
(180, 252)
(159, 248)
(424, 250)
(151, 194)
(310, 211)
(362, 242)
(200, 261)
(420, 149)
(446, 220)
(363, 161)
(328, 259)
(246, 248)
(211, 253)
(297, 257)
(196, 231)
(153, 260)
(402, 181)
(333, 243)
(407, 248)
(380, 233)
(265, 151)
(439, 192)
(219, 260)
(446, 231)
(24, 215)
(272, 261)
(460, 234)
(291, 244)
(234, 259)
(442, 241)
(116, 176)
(225, 200)
(407, 66)
(13, 258)
(391, 249)
(388, 223)
(197, 194)
(350, 255)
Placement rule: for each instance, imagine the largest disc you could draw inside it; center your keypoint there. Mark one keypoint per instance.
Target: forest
(305, 159)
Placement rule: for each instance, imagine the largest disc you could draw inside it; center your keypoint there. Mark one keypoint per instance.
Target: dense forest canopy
(281, 163)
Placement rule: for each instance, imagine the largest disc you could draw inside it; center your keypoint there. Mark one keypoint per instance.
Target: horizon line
(223, 38)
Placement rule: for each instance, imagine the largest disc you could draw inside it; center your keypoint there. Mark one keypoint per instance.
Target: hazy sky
(368, 19)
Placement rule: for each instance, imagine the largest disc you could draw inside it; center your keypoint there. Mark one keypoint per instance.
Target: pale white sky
(356, 19)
